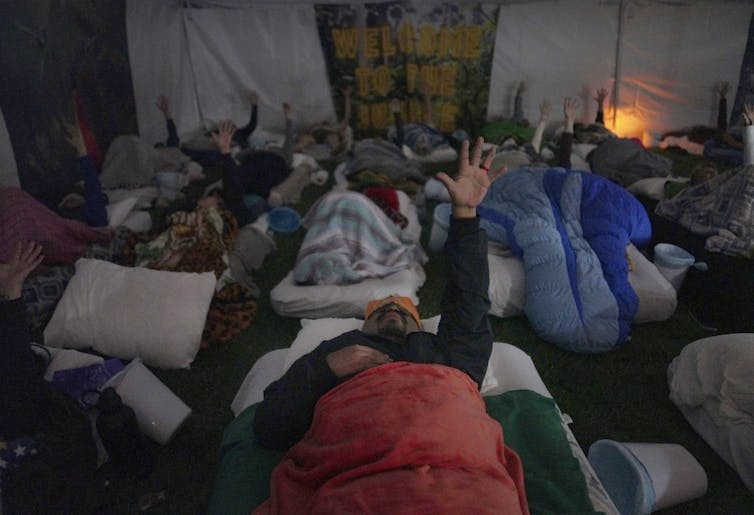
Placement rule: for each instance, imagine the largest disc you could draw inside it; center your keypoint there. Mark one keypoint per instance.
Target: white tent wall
(160, 65)
(667, 57)
(557, 48)
(8, 170)
(274, 50)
(673, 55)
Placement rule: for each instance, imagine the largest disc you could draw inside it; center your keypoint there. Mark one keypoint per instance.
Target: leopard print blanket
(199, 241)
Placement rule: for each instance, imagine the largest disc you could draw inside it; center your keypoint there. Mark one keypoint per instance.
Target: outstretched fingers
(476, 153)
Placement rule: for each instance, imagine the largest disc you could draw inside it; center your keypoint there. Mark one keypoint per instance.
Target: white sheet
(657, 297)
(322, 301)
(440, 154)
(509, 369)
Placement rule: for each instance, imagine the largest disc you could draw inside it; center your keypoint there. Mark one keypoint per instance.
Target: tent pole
(184, 17)
(618, 52)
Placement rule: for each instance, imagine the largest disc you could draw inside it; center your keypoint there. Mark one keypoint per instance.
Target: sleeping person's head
(393, 318)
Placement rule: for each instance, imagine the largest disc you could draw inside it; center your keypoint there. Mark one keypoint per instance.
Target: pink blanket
(24, 218)
(400, 438)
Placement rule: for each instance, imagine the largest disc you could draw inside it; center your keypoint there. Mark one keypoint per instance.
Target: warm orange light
(628, 123)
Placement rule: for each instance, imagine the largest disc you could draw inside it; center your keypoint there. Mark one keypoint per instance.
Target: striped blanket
(349, 239)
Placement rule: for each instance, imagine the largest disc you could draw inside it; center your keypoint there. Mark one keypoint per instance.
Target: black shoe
(125, 444)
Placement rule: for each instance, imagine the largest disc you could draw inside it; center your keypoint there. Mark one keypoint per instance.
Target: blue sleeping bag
(571, 229)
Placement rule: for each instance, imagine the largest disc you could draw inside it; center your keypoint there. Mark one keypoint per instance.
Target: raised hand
(163, 104)
(74, 137)
(395, 105)
(600, 96)
(253, 98)
(223, 136)
(354, 359)
(287, 111)
(722, 88)
(26, 257)
(569, 108)
(544, 110)
(472, 181)
(748, 113)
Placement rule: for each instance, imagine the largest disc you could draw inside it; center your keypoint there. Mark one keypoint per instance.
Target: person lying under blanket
(360, 443)
(421, 138)
(325, 140)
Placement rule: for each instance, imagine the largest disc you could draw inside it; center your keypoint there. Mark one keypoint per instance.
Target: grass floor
(621, 395)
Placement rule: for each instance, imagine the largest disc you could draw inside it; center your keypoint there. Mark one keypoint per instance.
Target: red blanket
(400, 438)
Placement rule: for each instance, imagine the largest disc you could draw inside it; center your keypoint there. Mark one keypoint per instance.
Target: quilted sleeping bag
(571, 229)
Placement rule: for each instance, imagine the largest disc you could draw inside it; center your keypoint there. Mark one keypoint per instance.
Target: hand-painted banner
(399, 49)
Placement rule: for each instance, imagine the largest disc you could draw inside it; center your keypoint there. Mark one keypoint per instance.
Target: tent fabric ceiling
(662, 70)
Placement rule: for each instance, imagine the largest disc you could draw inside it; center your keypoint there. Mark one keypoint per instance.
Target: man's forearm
(464, 327)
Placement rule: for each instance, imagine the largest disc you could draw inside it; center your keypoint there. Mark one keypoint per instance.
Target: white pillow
(715, 373)
(127, 313)
(118, 211)
(343, 300)
(509, 368)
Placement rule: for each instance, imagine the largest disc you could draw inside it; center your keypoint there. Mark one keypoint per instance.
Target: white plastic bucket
(158, 410)
(440, 226)
(673, 262)
(676, 475)
(645, 477)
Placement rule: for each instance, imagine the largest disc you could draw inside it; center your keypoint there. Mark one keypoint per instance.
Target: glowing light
(628, 123)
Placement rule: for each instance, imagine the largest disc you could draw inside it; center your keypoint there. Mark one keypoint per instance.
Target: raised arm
(722, 106)
(426, 90)
(95, 200)
(600, 99)
(748, 133)
(242, 135)
(544, 116)
(163, 104)
(395, 108)
(346, 121)
(464, 328)
(518, 103)
(232, 185)
(21, 376)
(565, 145)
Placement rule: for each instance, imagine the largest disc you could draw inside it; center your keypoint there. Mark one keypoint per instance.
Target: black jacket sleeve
(173, 140)
(242, 135)
(233, 191)
(464, 330)
(21, 394)
(286, 412)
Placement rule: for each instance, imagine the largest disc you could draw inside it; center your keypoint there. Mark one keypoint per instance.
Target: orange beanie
(403, 302)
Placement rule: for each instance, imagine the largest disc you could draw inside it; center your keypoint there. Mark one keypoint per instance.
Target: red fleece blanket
(400, 438)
